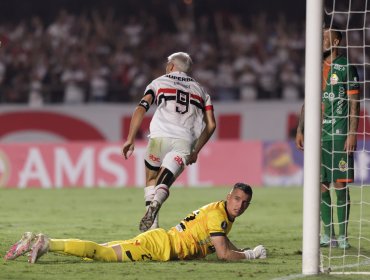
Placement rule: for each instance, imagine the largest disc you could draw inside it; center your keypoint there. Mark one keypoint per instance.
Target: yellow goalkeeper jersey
(191, 238)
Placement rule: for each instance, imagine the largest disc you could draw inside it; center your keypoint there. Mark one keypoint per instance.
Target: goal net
(352, 19)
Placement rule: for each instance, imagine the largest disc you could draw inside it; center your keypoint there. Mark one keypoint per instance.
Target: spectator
(73, 78)
(291, 82)
(237, 57)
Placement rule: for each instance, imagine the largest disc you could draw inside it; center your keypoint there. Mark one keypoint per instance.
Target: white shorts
(171, 153)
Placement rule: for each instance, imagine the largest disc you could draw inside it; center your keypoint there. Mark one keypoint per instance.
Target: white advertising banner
(247, 121)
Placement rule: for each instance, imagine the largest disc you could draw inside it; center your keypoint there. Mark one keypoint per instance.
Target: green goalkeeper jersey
(339, 80)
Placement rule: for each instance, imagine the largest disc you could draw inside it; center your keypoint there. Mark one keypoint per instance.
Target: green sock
(326, 213)
(343, 207)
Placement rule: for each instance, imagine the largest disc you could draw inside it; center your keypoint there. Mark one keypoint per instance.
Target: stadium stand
(107, 51)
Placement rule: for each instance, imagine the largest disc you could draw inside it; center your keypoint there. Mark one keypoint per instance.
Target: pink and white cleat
(21, 247)
(39, 248)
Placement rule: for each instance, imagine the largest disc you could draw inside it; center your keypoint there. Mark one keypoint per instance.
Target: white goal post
(352, 19)
(312, 128)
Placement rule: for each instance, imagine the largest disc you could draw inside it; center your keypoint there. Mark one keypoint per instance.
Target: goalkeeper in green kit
(340, 111)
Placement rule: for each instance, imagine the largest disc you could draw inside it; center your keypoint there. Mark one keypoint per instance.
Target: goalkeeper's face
(237, 202)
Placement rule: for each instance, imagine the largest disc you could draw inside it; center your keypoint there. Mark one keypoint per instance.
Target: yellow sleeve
(216, 223)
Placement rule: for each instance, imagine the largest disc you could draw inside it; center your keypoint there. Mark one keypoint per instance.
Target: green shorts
(336, 164)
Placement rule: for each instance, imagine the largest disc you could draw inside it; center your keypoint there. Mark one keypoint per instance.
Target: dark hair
(336, 30)
(247, 189)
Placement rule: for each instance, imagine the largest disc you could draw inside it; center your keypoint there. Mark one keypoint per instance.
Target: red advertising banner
(100, 164)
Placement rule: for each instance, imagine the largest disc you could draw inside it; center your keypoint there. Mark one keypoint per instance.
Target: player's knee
(151, 167)
(175, 162)
(340, 185)
(166, 177)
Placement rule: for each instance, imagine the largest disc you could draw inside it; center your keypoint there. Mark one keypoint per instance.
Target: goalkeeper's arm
(226, 250)
(232, 246)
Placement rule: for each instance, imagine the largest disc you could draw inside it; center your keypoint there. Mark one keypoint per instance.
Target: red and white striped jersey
(181, 103)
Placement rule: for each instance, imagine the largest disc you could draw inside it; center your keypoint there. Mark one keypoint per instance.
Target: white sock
(149, 192)
(161, 193)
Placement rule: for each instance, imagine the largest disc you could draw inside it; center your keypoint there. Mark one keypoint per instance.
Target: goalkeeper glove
(259, 252)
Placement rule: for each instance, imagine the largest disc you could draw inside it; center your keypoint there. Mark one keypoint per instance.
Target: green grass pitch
(273, 219)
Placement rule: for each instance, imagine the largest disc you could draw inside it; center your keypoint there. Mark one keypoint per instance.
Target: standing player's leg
(151, 173)
(155, 152)
(343, 209)
(162, 190)
(326, 210)
(172, 166)
(175, 153)
(343, 174)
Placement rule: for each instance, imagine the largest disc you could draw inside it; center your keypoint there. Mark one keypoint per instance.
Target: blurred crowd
(103, 56)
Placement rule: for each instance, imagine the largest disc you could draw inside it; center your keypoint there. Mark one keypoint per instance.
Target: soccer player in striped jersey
(340, 111)
(201, 233)
(181, 125)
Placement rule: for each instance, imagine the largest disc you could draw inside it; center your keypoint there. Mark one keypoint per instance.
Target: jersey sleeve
(353, 81)
(208, 103)
(217, 225)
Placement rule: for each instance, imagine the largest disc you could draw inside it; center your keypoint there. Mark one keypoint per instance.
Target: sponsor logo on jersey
(343, 166)
(179, 160)
(342, 91)
(339, 67)
(339, 109)
(328, 121)
(154, 158)
(181, 79)
(334, 79)
(329, 95)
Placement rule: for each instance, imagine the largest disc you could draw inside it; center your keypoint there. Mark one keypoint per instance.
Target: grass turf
(273, 219)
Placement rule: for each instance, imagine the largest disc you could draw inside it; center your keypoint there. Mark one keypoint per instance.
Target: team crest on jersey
(343, 166)
(224, 225)
(334, 79)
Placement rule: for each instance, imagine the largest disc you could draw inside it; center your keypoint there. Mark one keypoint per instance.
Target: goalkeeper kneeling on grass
(201, 233)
